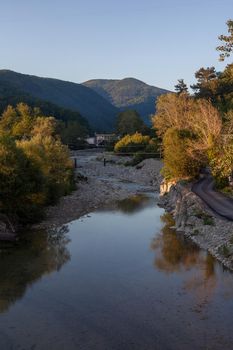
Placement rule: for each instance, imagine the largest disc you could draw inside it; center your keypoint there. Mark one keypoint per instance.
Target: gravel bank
(198, 222)
(104, 184)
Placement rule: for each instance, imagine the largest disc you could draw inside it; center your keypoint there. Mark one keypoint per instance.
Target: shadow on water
(36, 254)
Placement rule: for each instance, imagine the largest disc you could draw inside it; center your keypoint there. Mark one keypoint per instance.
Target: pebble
(104, 185)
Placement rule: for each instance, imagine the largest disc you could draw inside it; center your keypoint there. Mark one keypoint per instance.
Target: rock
(199, 223)
(165, 187)
(105, 184)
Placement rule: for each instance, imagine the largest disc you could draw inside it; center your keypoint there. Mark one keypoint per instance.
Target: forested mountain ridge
(10, 95)
(97, 110)
(128, 93)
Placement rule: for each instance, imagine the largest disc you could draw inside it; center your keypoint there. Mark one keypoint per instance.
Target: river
(118, 278)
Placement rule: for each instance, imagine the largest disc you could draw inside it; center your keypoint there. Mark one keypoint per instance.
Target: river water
(119, 278)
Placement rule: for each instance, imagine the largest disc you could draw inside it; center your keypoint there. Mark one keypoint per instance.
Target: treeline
(72, 126)
(35, 168)
(197, 130)
(136, 138)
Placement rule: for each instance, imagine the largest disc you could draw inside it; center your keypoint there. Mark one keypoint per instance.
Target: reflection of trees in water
(133, 204)
(36, 254)
(175, 255)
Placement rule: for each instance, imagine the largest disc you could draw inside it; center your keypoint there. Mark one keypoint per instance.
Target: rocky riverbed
(200, 223)
(99, 185)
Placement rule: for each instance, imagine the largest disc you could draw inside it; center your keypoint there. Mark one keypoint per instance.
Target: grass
(224, 250)
(227, 191)
(198, 213)
(195, 232)
(207, 219)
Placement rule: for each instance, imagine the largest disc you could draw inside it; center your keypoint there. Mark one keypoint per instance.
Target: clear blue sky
(77, 40)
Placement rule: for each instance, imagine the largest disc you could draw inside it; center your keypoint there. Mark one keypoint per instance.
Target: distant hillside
(12, 96)
(128, 93)
(98, 111)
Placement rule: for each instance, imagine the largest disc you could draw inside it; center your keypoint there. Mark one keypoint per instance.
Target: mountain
(12, 96)
(128, 93)
(97, 110)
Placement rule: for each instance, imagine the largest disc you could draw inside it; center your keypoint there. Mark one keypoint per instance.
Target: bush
(132, 143)
(178, 163)
(35, 167)
(142, 147)
(208, 221)
(224, 250)
(53, 160)
(21, 184)
(228, 190)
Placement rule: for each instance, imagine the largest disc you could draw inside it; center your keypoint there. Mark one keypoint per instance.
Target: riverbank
(101, 185)
(199, 223)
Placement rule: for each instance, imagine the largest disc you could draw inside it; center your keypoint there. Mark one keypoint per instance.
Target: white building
(101, 139)
(90, 140)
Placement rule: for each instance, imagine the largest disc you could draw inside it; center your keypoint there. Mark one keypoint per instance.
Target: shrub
(224, 250)
(21, 184)
(177, 162)
(132, 143)
(53, 160)
(208, 221)
(35, 167)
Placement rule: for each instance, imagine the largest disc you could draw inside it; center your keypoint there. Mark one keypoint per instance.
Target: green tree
(227, 40)
(177, 161)
(221, 154)
(181, 87)
(207, 83)
(21, 184)
(18, 122)
(52, 157)
(224, 96)
(129, 122)
(35, 166)
(221, 162)
(45, 126)
(73, 133)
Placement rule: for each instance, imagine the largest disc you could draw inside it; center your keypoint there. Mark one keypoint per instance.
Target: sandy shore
(104, 184)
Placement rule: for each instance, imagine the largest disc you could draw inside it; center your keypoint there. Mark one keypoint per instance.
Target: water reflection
(35, 255)
(134, 203)
(174, 254)
(110, 296)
